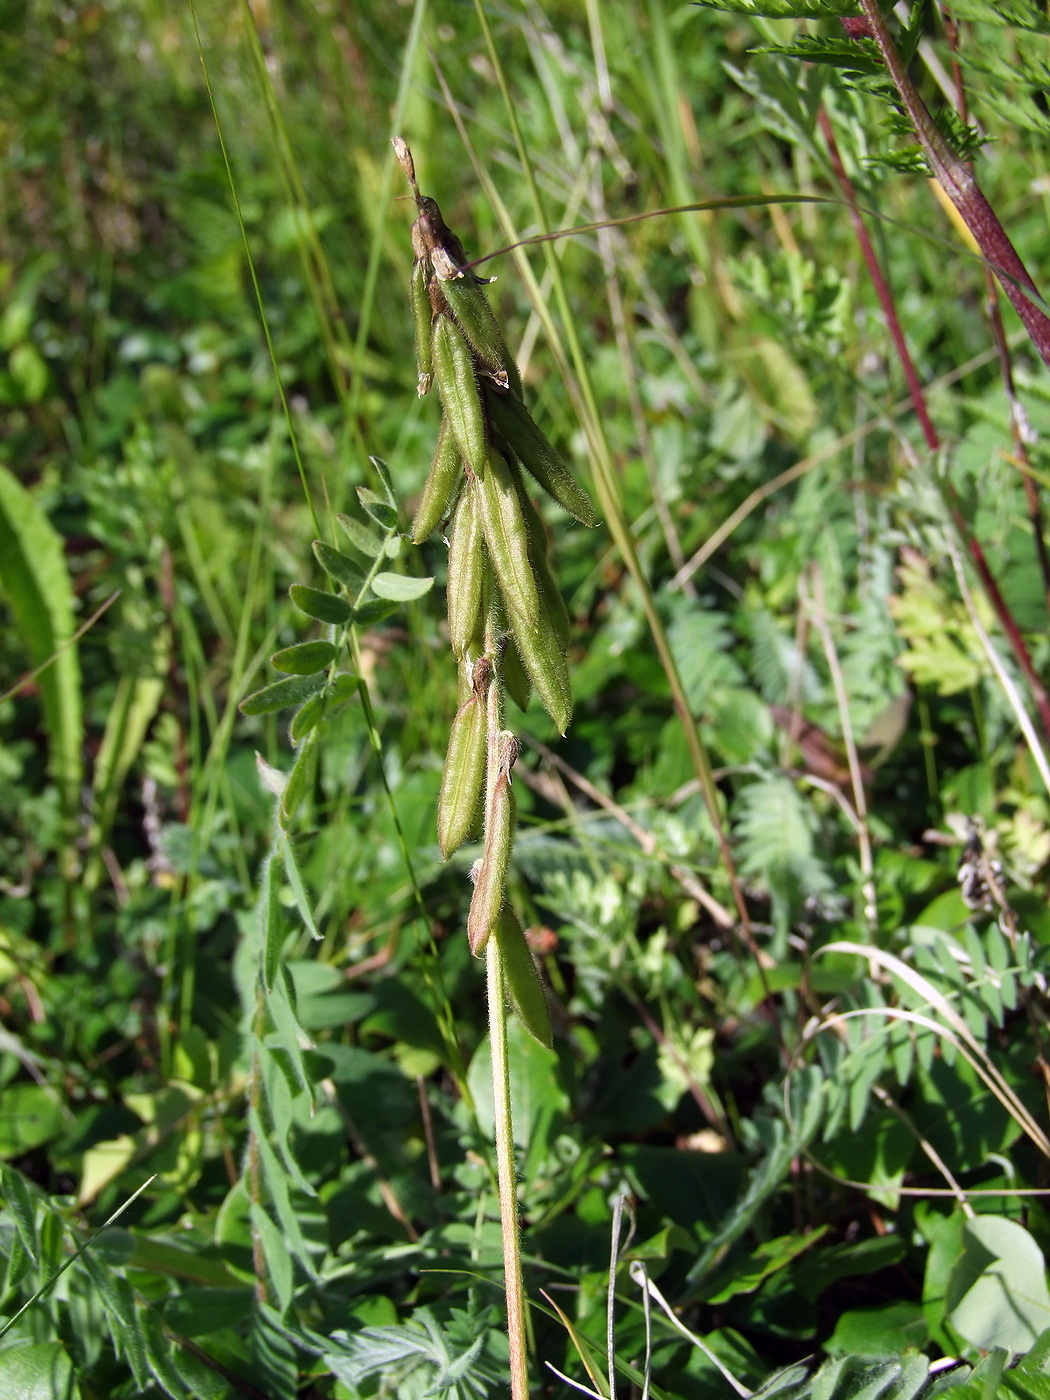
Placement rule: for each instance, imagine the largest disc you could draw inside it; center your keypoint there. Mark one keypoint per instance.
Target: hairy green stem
(505, 1174)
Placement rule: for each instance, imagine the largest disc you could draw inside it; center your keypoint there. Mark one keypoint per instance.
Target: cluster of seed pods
(506, 617)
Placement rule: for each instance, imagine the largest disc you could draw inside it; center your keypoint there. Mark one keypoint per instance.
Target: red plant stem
(882, 289)
(1018, 431)
(958, 183)
(995, 320)
(918, 397)
(1005, 616)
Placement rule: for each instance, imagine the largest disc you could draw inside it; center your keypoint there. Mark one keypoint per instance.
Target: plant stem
(918, 397)
(508, 1195)
(879, 282)
(958, 183)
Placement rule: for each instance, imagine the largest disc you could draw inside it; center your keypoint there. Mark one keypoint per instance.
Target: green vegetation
(785, 872)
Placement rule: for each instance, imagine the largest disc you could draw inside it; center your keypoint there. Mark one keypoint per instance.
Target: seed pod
(470, 306)
(515, 677)
(521, 978)
(467, 563)
(440, 488)
(458, 385)
(423, 315)
(543, 657)
(516, 426)
(507, 537)
(461, 781)
(491, 878)
(546, 583)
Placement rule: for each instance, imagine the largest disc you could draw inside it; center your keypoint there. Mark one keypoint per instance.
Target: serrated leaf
(282, 694)
(363, 539)
(304, 659)
(339, 567)
(400, 588)
(323, 607)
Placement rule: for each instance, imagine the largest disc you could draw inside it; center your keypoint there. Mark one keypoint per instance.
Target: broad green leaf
(304, 659)
(195, 1311)
(36, 1371)
(883, 1331)
(30, 1115)
(400, 588)
(36, 586)
(997, 1294)
(322, 606)
(533, 1082)
(282, 694)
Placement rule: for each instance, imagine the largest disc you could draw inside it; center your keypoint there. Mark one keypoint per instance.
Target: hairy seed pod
(490, 882)
(515, 425)
(423, 315)
(515, 677)
(458, 386)
(521, 978)
(507, 537)
(546, 583)
(462, 779)
(441, 486)
(543, 657)
(470, 306)
(467, 563)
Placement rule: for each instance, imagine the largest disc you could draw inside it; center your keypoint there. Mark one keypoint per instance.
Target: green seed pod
(440, 488)
(491, 878)
(470, 306)
(546, 583)
(461, 781)
(543, 657)
(516, 426)
(515, 677)
(507, 537)
(521, 978)
(467, 564)
(423, 315)
(458, 386)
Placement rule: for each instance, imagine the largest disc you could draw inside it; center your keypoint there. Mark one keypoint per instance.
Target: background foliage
(269, 1025)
